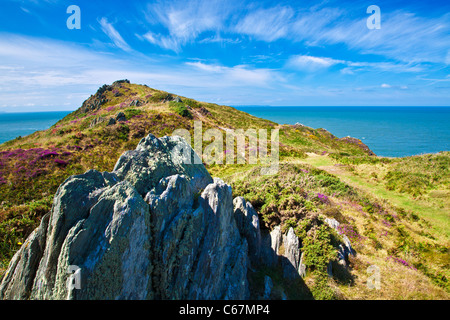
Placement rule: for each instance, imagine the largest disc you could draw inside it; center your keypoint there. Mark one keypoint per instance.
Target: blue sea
(13, 125)
(387, 131)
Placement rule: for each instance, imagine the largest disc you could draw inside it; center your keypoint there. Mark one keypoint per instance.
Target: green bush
(181, 109)
(318, 248)
(192, 103)
(321, 290)
(130, 113)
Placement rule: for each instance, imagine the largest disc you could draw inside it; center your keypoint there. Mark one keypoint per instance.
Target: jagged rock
(276, 238)
(135, 103)
(345, 248)
(121, 117)
(154, 228)
(118, 83)
(96, 121)
(156, 158)
(111, 122)
(248, 225)
(302, 266)
(178, 99)
(292, 255)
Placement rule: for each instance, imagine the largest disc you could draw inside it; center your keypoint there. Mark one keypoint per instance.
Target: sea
(387, 131)
(13, 125)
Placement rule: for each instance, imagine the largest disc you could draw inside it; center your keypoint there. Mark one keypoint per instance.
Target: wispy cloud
(404, 36)
(114, 35)
(238, 75)
(184, 21)
(266, 24)
(310, 63)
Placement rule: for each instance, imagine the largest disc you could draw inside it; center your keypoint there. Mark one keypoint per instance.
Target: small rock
(111, 122)
(121, 117)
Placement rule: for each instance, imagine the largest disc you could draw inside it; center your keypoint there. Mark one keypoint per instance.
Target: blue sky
(280, 53)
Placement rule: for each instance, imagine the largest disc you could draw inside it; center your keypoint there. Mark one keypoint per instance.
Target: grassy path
(437, 217)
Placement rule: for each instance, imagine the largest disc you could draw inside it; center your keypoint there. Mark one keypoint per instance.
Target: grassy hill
(394, 210)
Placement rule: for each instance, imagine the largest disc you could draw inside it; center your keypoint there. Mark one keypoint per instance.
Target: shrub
(130, 113)
(181, 109)
(318, 248)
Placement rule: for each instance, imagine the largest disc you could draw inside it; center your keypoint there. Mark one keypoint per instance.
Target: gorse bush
(181, 109)
(318, 248)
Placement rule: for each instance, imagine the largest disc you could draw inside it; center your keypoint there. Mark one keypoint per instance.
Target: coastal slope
(326, 191)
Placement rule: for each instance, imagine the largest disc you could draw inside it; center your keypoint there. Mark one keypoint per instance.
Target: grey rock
(96, 121)
(302, 266)
(178, 99)
(276, 238)
(121, 117)
(154, 159)
(292, 255)
(111, 122)
(248, 224)
(345, 248)
(135, 103)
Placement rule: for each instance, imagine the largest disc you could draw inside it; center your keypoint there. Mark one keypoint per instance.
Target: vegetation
(393, 210)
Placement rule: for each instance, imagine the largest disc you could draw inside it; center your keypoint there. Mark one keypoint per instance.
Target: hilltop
(394, 211)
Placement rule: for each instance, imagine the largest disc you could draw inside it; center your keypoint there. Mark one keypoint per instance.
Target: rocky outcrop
(248, 226)
(292, 255)
(154, 228)
(345, 248)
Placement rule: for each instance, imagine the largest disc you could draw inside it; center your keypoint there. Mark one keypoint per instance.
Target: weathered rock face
(154, 228)
(248, 225)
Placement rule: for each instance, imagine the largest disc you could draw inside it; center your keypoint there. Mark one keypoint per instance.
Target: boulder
(111, 122)
(121, 117)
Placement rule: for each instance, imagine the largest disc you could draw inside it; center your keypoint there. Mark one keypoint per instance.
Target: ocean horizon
(15, 124)
(387, 131)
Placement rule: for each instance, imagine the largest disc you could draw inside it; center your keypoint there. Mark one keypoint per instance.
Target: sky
(277, 53)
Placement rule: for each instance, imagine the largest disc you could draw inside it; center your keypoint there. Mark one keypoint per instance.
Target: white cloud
(114, 35)
(310, 63)
(237, 75)
(385, 85)
(266, 24)
(185, 21)
(403, 36)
